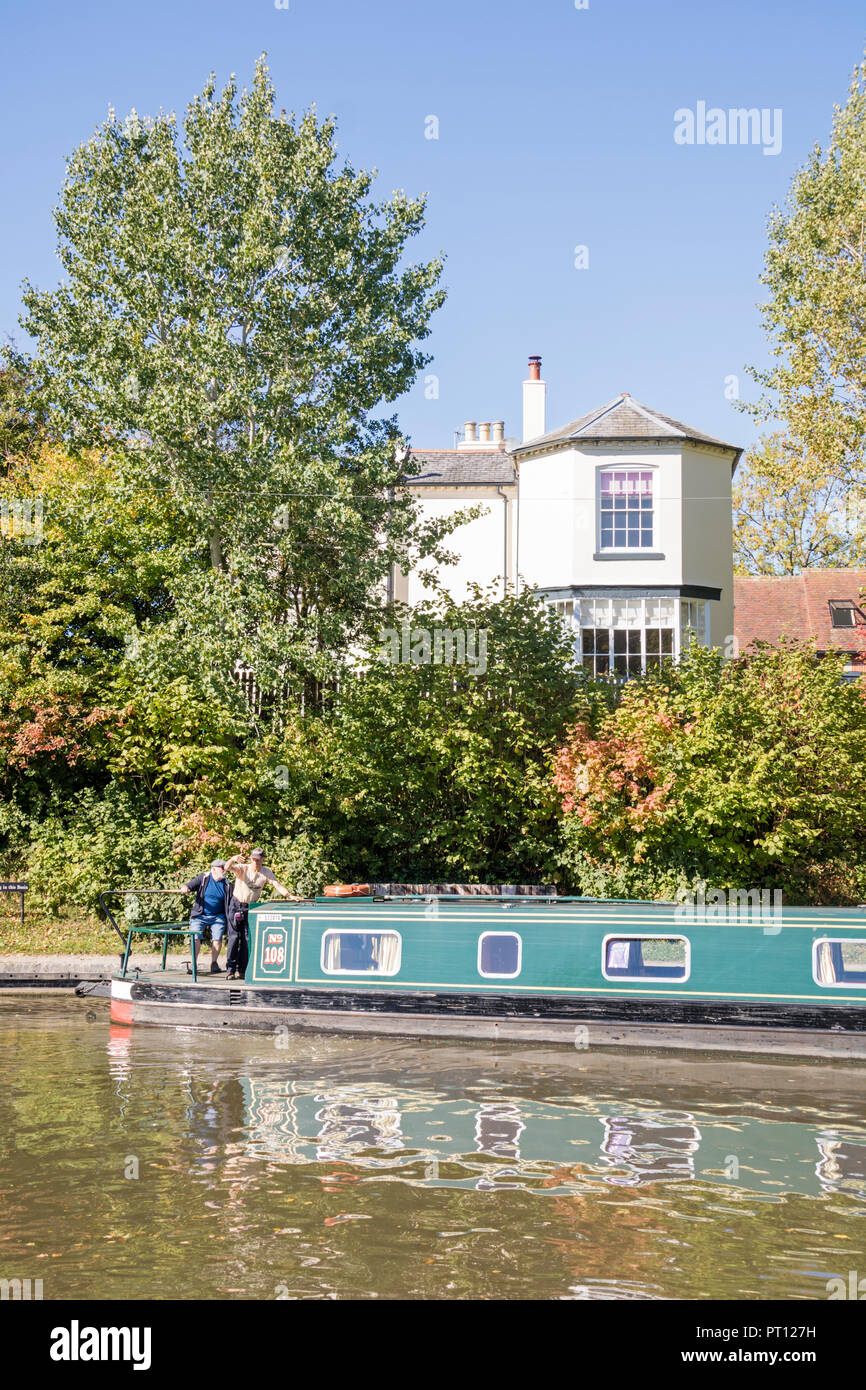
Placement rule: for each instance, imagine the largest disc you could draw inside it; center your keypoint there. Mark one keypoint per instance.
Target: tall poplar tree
(235, 316)
(791, 513)
(815, 317)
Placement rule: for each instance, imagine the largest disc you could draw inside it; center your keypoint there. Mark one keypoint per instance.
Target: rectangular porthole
(837, 961)
(646, 958)
(499, 955)
(361, 952)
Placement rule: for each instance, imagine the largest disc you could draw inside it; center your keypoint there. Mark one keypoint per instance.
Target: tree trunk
(216, 550)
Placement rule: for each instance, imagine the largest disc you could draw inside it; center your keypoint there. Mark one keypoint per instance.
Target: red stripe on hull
(121, 1011)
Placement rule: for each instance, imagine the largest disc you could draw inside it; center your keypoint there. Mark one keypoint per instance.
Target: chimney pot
(534, 402)
(498, 431)
(484, 432)
(469, 432)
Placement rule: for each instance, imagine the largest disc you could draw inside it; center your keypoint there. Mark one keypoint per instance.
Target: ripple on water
(156, 1163)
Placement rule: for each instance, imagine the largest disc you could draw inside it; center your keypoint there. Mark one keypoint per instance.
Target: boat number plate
(275, 947)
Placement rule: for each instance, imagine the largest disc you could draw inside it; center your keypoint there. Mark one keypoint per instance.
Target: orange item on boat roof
(347, 890)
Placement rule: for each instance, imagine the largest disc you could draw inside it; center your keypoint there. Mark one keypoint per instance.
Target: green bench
(165, 930)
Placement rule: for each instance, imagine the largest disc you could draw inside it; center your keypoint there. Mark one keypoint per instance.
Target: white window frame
(702, 633)
(491, 975)
(835, 941)
(646, 936)
(360, 931)
(625, 550)
(569, 611)
(644, 626)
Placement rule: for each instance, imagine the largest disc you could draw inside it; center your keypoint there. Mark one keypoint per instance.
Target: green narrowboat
(742, 976)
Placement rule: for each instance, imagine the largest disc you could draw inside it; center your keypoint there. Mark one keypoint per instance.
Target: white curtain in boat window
(332, 952)
(386, 952)
(825, 969)
(381, 956)
(617, 955)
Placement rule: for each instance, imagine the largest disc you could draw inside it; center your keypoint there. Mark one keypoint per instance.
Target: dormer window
(625, 508)
(845, 613)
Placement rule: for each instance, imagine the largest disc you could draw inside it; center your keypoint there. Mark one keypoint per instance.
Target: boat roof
(737, 910)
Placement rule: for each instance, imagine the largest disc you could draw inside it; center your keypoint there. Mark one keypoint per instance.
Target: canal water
(154, 1163)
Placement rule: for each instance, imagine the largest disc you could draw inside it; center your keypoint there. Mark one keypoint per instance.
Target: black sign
(14, 887)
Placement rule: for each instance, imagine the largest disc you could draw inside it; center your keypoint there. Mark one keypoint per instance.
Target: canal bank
(49, 972)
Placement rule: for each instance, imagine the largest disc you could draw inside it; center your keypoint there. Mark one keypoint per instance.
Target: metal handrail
(163, 929)
(115, 892)
(524, 899)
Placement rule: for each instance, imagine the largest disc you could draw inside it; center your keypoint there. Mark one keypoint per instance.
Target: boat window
(361, 952)
(645, 958)
(839, 962)
(499, 954)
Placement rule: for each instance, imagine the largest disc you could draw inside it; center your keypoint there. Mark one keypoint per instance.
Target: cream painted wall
(553, 542)
(559, 517)
(707, 531)
(485, 546)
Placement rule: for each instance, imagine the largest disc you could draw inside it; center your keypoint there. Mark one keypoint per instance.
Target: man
(250, 879)
(210, 909)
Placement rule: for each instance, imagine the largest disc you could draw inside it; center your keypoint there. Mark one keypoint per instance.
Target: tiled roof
(448, 467)
(625, 418)
(768, 607)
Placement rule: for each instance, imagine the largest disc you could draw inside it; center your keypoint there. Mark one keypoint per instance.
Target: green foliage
(743, 774)
(792, 512)
(815, 316)
(96, 841)
(234, 313)
(436, 771)
(302, 863)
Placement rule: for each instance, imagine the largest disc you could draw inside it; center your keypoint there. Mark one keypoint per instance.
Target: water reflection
(650, 1149)
(843, 1165)
(424, 1137)
(344, 1167)
(348, 1127)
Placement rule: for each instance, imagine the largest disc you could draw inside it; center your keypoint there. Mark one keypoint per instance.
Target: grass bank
(67, 934)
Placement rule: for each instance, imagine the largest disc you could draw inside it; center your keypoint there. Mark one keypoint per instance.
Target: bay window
(622, 637)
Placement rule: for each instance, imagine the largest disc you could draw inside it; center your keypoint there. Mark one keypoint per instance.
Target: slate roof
(769, 607)
(625, 418)
(450, 467)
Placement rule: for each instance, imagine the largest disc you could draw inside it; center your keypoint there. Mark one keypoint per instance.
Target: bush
(441, 772)
(302, 863)
(746, 774)
(93, 842)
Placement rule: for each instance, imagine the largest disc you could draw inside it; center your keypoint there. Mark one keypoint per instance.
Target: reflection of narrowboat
(565, 1145)
(587, 973)
(843, 1165)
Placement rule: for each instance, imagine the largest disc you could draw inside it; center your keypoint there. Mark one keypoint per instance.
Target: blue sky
(555, 131)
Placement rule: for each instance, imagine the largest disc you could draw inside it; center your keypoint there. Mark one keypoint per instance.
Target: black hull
(717, 1025)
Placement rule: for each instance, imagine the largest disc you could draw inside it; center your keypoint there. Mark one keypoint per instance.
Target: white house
(621, 519)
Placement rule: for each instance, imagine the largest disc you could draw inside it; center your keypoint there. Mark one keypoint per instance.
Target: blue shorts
(215, 921)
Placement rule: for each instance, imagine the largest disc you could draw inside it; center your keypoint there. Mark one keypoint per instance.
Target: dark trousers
(239, 937)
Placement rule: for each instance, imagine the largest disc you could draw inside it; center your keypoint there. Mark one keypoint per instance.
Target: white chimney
(534, 402)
